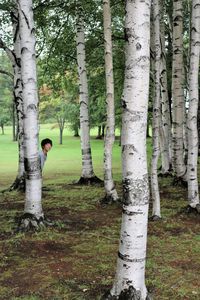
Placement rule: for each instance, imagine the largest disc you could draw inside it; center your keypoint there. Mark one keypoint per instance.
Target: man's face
(47, 147)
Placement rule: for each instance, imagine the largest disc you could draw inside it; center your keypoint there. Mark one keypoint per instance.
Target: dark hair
(46, 141)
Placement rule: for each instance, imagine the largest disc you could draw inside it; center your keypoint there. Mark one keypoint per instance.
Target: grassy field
(64, 161)
(76, 259)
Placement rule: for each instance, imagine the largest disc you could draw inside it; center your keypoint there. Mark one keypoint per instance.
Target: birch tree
(130, 275)
(15, 58)
(33, 213)
(156, 110)
(111, 193)
(19, 182)
(193, 192)
(87, 175)
(165, 128)
(178, 92)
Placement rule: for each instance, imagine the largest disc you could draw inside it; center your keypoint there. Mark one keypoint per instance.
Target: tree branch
(6, 73)
(7, 50)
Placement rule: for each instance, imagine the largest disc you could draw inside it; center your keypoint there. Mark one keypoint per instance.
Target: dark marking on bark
(132, 260)
(23, 50)
(131, 213)
(32, 107)
(136, 192)
(130, 148)
(124, 105)
(26, 19)
(138, 46)
(86, 151)
(32, 168)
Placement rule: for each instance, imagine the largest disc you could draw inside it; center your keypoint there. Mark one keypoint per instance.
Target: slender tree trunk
(198, 123)
(2, 129)
(193, 192)
(33, 213)
(156, 214)
(61, 136)
(177, 92)
(111, 193)
(87, 175)
(130, 276)
(99, 132)
(13, 122)
(165, 128)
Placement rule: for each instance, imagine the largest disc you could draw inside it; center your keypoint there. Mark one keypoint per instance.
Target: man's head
(46, 145)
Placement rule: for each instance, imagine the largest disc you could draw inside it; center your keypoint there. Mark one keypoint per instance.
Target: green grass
(64, 161)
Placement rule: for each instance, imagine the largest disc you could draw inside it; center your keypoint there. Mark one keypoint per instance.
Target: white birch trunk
(193, 192)
(156, 110)
(130, 274)
(18, 97)
(33, 203)
(15, 58)
(87, 168)
(165, 128)
(111, 193)
(177, 91)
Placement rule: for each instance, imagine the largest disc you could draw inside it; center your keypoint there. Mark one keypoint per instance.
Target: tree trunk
(13, 123)
(193, 192)
(19, 182)
(111, 193)
(61, 136)
(2, 129)
(99, 133)
(76, 133)
(87, 175)
(130, 276)
(156, 52)
(33, 213)
(165, 128)
(177, 92)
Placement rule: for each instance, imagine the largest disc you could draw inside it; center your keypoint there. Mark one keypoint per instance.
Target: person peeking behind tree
(46, 145)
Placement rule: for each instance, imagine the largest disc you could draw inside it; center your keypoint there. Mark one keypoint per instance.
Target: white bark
(132, 249)
(18, 91)
(177, 91)
(165, 128)
(193, 193)
(110, 125)
(87, 168)
(156, 110)
(33, 204)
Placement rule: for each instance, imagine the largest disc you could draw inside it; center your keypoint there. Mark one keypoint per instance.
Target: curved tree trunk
(156, 110)
(33, 205)
(193, 192)
(111, 193)
(177, 92)
(87, 175)
(130, 275)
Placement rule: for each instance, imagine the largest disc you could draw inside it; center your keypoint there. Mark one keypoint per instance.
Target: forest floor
(76, 258)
